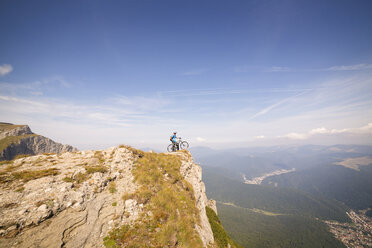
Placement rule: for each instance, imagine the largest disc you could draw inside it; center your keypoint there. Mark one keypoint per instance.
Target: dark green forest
(277, 200)
(252, 229)
(291, 213)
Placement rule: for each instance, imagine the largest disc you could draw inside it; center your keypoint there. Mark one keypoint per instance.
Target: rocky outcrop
(21, 140)
(16, 131)
(212, 204)
(74, 199)
(74, 208)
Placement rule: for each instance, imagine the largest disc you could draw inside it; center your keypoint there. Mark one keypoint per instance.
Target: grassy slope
(221, 238)
(7, 127)
(171, 201)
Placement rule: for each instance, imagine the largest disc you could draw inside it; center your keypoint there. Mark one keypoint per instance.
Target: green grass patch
(114, 204)
(11, 168)
(94, 169)
(28, 175)
(99, 155)
(4, 127)
(20, 189)
(112, 187)
(135, 151)
(80, 177)
(171, 202)
(68, 179)
(49, 153)
(127, 196)
(5, 162)
(83, 164)
(221, 238)
(22, 156)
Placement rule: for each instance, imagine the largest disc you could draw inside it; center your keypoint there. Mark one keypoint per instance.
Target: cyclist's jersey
(174, 138)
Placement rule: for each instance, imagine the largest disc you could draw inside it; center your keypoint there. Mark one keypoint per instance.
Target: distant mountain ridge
(19, 139)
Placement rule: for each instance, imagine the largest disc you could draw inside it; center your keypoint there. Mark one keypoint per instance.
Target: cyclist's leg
(174, 146)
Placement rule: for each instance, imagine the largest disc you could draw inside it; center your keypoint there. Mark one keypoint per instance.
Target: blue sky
(222, 73)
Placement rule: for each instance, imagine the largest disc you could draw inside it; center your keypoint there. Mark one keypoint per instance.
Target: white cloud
(263, 69)
(278, 69)
(367, 129)
(130, 118)
(5, 69)
(357, 67)
(199, 139)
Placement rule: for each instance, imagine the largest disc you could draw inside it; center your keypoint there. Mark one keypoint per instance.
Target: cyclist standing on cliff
(173, 138)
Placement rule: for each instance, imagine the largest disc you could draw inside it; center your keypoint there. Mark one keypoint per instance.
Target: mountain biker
(173, 138)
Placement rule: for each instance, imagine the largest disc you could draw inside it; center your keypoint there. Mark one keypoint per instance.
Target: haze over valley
(259, 188)
(273, 98)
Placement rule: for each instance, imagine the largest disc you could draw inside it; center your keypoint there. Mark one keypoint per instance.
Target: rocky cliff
(19, 139)
(120, 197)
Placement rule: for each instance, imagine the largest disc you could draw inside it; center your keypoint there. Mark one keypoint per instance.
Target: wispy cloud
(278, 69)
(5, 69)
(233, 113)
(357, 67)
(194, 72)
(225, 91)
(56, 80)
(263, 69)
(275, 105)
(35, 88)
(367, 129)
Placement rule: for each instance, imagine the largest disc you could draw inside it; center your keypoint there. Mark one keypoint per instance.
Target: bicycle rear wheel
(170, 148)
(184, 145)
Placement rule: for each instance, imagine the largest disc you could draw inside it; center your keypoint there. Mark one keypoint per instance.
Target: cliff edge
(119, 197)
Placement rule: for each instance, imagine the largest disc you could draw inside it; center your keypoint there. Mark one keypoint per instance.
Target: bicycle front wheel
(184, 145)
(170, 148)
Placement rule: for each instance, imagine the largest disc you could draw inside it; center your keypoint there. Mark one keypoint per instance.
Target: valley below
(300, 196)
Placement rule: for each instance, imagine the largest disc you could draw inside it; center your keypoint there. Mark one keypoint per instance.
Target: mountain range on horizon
(304, 193)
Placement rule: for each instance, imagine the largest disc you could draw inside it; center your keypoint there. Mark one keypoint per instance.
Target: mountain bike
(179, 145)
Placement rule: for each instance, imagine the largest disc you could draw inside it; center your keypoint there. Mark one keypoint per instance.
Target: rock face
(193, 174)
(212, 204)
(21, 140)
(74, 199)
